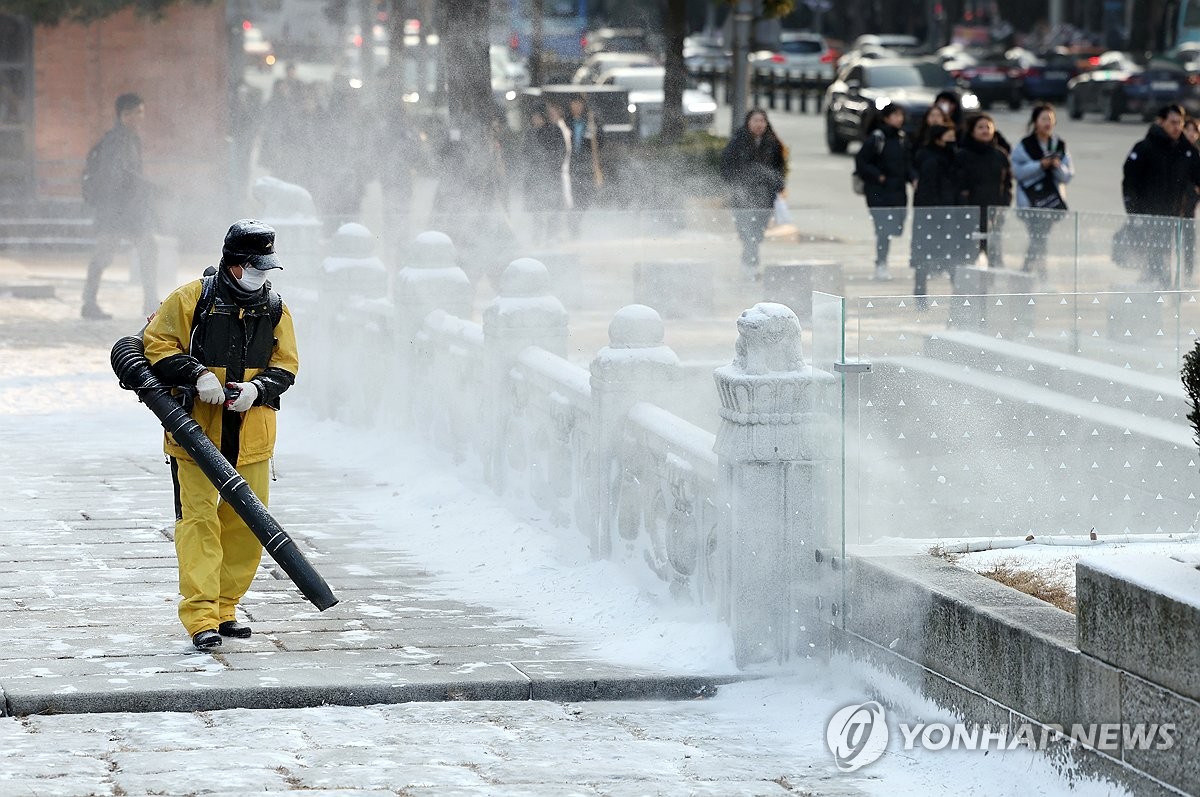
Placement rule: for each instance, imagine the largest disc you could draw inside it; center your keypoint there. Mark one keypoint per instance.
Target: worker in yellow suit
(227, 339)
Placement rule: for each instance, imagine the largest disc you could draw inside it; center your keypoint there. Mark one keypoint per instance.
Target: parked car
(864, 87)
(599, 63)
(1118, 85)
(798, 52)
(992, 76)
(645, 87)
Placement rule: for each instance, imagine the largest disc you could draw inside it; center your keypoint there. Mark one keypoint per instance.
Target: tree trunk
(464, 44)
(537, 41)
(1145, 32)
(673, 125)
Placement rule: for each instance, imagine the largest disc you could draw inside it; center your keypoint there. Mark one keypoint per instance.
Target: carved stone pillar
(776, 485)
(353, 314)
(430, 280)
(523, 314)
(636, 365)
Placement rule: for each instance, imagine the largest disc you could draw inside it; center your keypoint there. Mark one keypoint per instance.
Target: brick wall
(179, 65)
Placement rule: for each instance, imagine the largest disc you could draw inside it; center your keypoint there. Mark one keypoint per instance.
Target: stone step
(1100, 383)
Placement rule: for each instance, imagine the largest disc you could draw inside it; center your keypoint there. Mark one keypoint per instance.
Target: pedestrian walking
(1042, 168)
(228, 330)
(985, 181)
(123, 202)
(543, 152)
(1156, 182)
(754, 167)
(586, 166)
(883, 164)
(932, 251)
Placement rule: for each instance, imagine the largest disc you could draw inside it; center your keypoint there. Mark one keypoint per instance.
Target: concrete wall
(994, 655)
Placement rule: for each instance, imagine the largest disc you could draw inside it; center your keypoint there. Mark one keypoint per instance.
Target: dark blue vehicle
(1046, 77)
(1119, 86)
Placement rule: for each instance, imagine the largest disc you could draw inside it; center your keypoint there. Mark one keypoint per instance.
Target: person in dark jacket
(985, 180)
(543, 153)
(937, 187)
(124, 206)
(882, 163)
(1156, 183)
(587, 165)
(753, 165)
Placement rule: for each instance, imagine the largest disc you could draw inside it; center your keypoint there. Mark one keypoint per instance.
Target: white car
(597, 65)
(645, 87)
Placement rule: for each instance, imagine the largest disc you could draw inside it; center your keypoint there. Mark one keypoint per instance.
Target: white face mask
(252, 279)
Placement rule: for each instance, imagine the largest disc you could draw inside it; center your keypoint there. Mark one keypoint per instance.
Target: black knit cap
(252, 243)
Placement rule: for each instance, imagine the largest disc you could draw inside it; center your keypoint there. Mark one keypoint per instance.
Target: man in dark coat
(1156, 183)
(123, 201)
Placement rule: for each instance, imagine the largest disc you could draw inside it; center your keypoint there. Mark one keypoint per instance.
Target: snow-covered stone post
(352, 287)
(430, 280)
(636, 365)
(523, 314)
(290, 210)
(775, 484)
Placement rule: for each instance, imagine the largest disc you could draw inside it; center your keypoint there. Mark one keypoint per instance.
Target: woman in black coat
(985, 179)
(882, 163)
(932, 249)
(754, 167)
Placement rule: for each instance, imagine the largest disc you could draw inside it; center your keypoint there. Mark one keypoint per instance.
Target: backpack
(95, 176)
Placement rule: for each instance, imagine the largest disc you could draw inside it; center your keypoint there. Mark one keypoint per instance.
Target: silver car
(798, 52)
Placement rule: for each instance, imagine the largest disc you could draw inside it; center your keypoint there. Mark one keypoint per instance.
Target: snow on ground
(1052, 557)
(519, 562)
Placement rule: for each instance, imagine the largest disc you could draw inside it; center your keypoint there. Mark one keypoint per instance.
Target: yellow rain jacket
(247, 348)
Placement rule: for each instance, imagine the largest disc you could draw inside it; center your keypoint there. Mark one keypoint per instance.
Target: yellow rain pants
(218, 554)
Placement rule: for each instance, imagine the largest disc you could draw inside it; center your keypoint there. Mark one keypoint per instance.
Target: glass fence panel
(1068, 251)
(1010, 415)
(829, 356)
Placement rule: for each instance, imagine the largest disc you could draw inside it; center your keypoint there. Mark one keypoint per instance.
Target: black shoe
(206, 640)
(93, 312)
(232, 628)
